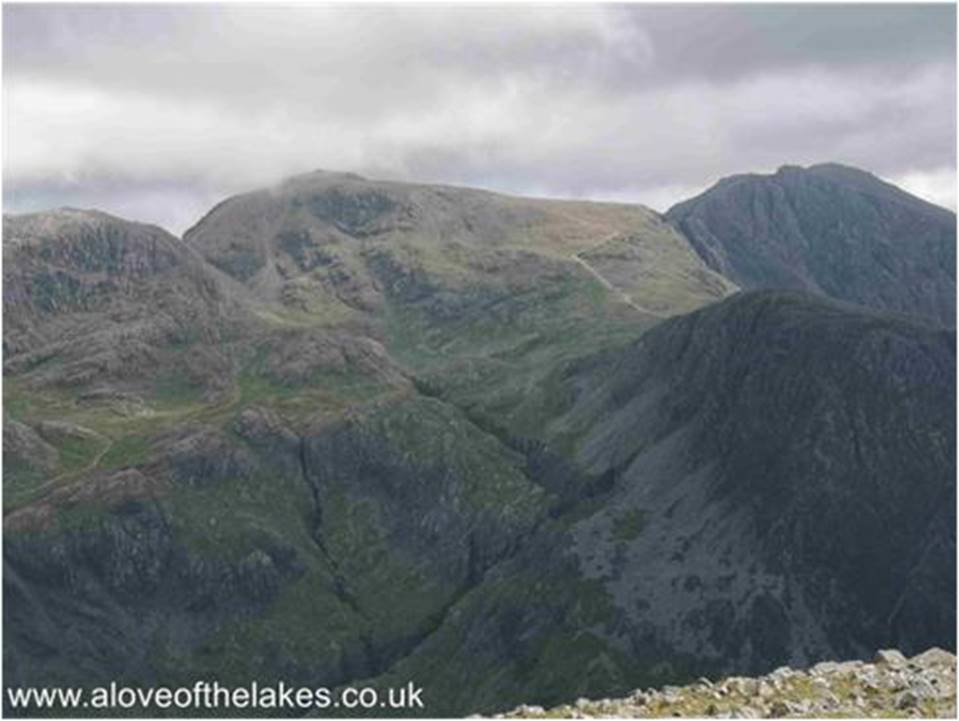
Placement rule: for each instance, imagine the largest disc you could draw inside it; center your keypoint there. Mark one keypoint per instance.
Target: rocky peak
(831, 230)
(88, 241)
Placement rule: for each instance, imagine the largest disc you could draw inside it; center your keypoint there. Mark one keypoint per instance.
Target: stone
(890, 657)
(824, 667)
(779, 709)
(934, 657)
(907, 700)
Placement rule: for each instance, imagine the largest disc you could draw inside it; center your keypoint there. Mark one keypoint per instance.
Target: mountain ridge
(837, 171)
(524, 450)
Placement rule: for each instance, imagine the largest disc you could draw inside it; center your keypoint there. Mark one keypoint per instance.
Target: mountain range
(516, 450)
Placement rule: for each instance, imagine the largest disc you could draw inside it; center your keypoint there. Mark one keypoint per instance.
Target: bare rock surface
(891, 686)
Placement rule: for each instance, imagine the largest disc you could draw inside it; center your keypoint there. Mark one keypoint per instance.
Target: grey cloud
(174, 205)
(728, 41)
(157, 110)
(626, 45)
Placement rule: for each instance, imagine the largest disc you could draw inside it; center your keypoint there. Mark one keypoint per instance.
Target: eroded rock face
(754, 470)
(830, 230)
(206, 457)
(23, 446)
(78, 260)
(746, 519)
(304, 356)
(90, 297)
(128, 566)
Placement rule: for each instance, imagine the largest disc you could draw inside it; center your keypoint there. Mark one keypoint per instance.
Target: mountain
(516, 450)
(176, 510)
(774, 484)
(830, 230)
(104, 297)
(329, 238)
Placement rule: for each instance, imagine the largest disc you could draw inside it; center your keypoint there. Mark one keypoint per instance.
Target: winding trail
(66, 479)
(616, 291)
(39, 493)
(235, 396)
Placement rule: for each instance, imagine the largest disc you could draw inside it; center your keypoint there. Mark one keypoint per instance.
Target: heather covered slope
(471, 440)
(830, 230)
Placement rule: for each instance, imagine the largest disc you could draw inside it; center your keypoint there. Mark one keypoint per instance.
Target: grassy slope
(490, 339)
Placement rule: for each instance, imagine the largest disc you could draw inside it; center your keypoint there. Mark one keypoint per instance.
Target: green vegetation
(630, 525)
(77, 453)
(176, 390)
(227, 518)
(126, 452)
(20, 482)
(30, 405)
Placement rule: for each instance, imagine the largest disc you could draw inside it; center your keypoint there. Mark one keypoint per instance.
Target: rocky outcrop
(24, 448)
(892, 686)
(90, 604)
(90, 298)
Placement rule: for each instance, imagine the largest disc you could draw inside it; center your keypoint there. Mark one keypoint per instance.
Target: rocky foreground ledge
(891, 686)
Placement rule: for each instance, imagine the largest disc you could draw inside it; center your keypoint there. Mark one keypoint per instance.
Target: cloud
(937, 186)
(158, 111)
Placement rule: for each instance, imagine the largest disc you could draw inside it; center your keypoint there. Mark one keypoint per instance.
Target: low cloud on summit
(157, 112)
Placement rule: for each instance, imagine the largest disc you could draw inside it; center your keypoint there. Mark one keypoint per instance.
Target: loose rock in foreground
(891, 686)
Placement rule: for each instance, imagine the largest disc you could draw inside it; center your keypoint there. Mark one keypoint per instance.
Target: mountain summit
(831, 230)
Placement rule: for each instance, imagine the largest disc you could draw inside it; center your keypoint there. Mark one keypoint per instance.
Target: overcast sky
(157, 112)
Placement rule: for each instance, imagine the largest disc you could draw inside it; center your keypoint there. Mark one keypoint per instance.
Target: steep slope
(779, 489)
(69, 273)
(452, 435)
(830, 230)
(802, 455)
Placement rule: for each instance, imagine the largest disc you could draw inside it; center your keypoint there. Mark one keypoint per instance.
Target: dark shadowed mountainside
(830, 230)
(779, 488)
